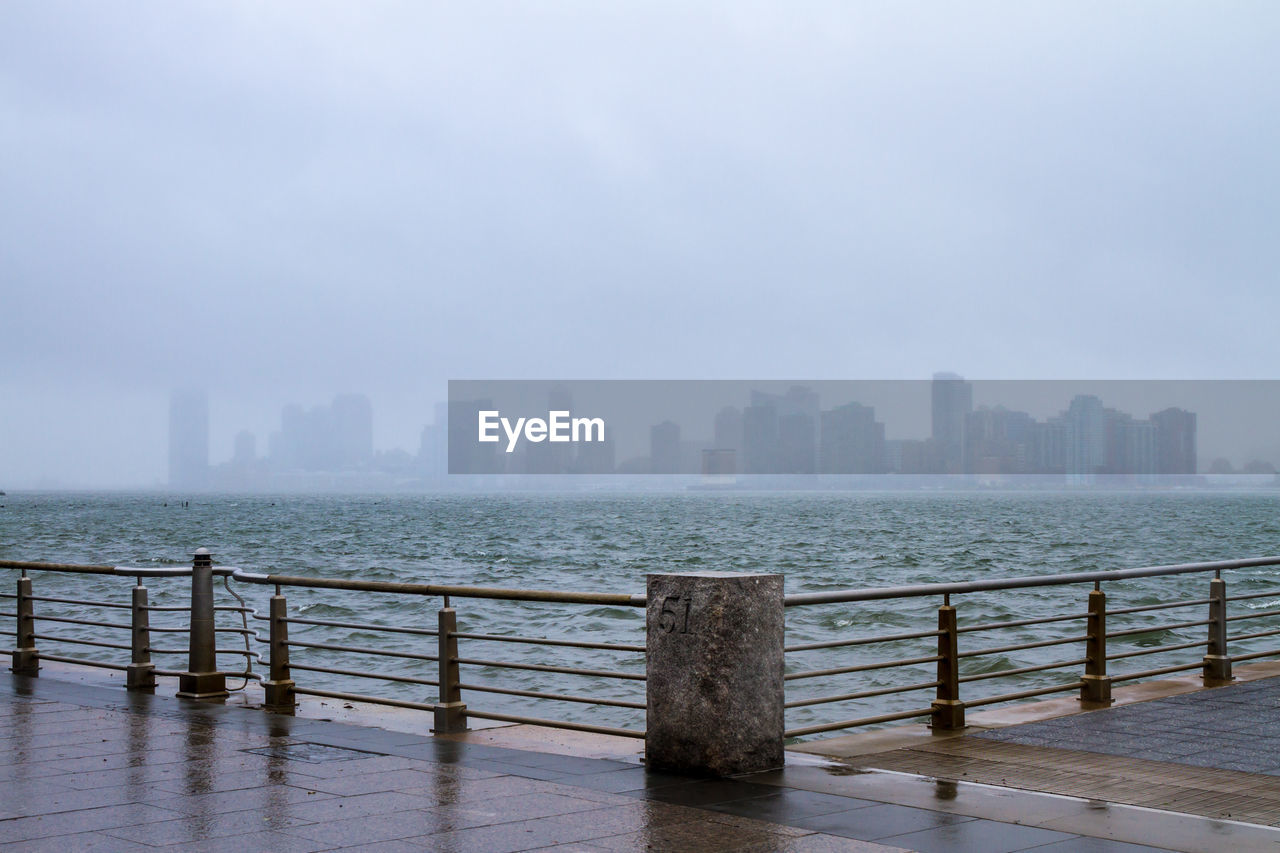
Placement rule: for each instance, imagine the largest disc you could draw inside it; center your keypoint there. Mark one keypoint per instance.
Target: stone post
(947, 712)
(141, 673)
(202, 679)
(450, 711)
(1096, 689)
(279, 689)
(26, 658)
(1217, 663)
(714, 643)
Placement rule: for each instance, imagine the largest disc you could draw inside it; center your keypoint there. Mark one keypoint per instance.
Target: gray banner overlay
(723, 433)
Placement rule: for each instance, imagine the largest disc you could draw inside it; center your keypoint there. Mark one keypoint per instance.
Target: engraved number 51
(675, 614)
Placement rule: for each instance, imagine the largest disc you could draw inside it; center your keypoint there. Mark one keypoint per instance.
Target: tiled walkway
(1235, 727)
(1209, 760)
(1214, 753)
(88, 768)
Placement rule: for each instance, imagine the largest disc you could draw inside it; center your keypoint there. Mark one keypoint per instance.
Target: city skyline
(790, 433)
(790, 430)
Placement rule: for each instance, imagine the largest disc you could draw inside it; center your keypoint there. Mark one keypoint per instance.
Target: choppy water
(609, 542)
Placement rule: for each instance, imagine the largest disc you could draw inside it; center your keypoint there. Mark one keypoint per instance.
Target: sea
(610, 542)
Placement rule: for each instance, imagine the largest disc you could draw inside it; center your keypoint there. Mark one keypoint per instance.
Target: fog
(282, 202)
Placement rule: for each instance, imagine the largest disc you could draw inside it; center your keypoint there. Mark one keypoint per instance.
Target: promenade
(89, 766)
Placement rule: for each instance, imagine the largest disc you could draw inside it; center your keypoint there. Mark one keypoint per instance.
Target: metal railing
(204, 679)
(141, 670)
(1084, 631)
(930, 672)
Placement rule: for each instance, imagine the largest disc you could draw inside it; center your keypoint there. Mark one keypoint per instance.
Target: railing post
(279, 690)
(1217, 663)
(26, 659)
(141, 674)
(1096, 689)
(202, 679)
(450, 712)
(948, 710)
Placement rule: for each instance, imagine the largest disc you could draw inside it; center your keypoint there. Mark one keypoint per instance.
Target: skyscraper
(664, 448)
(851, 441)
(188, 439)
(1175, 441)
(1086, 439)
(952, 399)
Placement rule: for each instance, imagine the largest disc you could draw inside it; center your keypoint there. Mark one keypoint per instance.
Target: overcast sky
(282, 201)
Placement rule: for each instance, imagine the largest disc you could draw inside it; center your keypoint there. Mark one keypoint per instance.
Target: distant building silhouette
(952, 400)
(664, 448)
(780, 432)
(851, 441)
(1175, 441)
(189, 440)
(728, 433)
(331, 438)
(998, 441)
(1085, 421)
(760, 440)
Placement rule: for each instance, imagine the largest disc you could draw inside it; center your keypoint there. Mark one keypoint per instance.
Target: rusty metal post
(26, 659)
(202, 679)
(1096, 689)
(141, 673)
(948, 710)
(280, 696)
(1217, 663)
(450, 712)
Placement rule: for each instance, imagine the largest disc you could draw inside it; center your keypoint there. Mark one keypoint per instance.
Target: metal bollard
(1217, 663)
(450, 711)
(202, 679)
(141, 672)
(279, 690)
(948, 710)
(1096, 689)
(26, 659)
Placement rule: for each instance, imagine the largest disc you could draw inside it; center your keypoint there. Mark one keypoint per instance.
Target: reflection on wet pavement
(86, 767)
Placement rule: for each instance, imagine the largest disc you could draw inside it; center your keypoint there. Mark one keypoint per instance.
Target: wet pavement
(95, 768)
(1234, 727)
(1195, 771)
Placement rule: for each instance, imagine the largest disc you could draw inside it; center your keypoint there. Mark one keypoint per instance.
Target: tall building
(780, 432)
(188, 440)
(728, 433)
(664, 448)
(952, 400)
(760, 440)
(997, 441)
(1175, 441)
(1085, 423)
(338, 437)
(851, 441)
(1047, 447)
